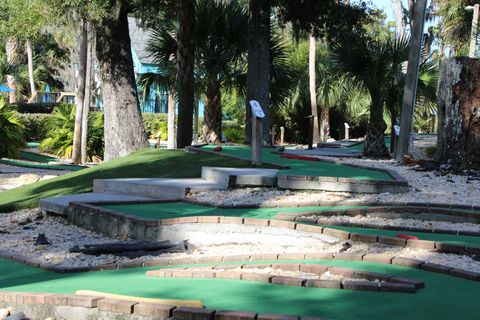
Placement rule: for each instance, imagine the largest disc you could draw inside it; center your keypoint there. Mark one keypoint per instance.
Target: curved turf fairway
(444, 297)
(182, 209)
(306, 168)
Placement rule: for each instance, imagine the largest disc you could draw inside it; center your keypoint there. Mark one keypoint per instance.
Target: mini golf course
(444, 297)
(449, 293)
(305, 168)
(168, 210)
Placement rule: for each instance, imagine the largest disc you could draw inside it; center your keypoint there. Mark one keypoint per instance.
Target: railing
(52, 97)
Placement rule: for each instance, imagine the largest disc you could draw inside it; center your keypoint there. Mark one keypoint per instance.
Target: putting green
(361, 146)
(183, 209)
(28, 164)
(36, 157)
(167, 210)
(444, 297)
(306, 168)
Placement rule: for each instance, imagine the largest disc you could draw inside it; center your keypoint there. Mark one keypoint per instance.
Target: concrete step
(60, 204)
(158, 188)
(232, 177)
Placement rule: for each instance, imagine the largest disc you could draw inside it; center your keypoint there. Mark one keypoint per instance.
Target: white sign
(257, 109)
(346, 125)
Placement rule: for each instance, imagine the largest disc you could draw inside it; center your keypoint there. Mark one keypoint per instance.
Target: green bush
(11, 131)
(60, 127)
(155, 122)
(35, 125)
(233, 131)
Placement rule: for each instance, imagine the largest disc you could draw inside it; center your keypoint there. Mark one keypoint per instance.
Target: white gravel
(22, 228)
(399, 222)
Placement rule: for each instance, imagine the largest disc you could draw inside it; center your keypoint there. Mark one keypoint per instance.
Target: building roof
(139, 38)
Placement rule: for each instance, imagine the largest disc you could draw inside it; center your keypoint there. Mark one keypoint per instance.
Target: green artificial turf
(306, 168)
(182, 209)
(361, 146)
(36, 157)
(28, 164)
(444, 297)
(149, 163)
(33, 144)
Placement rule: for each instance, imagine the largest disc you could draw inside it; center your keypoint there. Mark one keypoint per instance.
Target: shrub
(60, 126)
(35, 125)
(155, 122)
(233, 132)
(95, 135)
(11, 131)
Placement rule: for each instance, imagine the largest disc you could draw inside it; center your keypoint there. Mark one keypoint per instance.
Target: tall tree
(258, 73)
(328, 20)
(186, 80)
(22, 20)
(124, 131)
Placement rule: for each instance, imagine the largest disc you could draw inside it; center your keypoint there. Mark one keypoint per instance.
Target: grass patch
(149, 163)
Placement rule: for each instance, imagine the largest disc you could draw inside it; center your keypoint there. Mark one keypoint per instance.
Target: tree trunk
(28, 47)
(375, 138)
(400, 19)
(196, 119)
(258, 73)
(88, 93)
(324, 123)
(212, 122)
(186, 80)
(171, 120)
(393, 137)
(11, 47)
(312, 76)
(459, 114)
(80, 94)
(123, 129)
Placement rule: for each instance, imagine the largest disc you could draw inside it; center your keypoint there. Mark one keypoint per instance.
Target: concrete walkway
(148, 189)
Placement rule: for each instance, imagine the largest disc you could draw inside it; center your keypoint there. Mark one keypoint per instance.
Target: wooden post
(473, 33)
(347, 128)
(282, 135)
(312, 119)
(257, 116)
(410, 92)
(274, 135)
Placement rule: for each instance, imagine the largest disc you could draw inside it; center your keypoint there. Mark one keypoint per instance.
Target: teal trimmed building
(157, 101)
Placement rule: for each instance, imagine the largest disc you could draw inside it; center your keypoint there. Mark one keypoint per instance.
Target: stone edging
(147, 229)
(286, 181)
(304, 217)
(390, 283)
(42, 305)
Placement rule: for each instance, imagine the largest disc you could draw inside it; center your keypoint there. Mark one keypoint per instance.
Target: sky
(387, 6)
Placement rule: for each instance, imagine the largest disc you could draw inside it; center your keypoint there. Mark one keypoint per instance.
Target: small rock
(4, 313)
(41, 240)
(29, 178)
(17, 316)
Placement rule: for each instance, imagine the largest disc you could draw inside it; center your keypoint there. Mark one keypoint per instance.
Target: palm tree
(11, 131)
(162, 47)
(374, 64)
(221, 45)
(185, 61)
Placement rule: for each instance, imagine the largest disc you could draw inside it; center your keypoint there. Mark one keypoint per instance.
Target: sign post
(258, 115)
